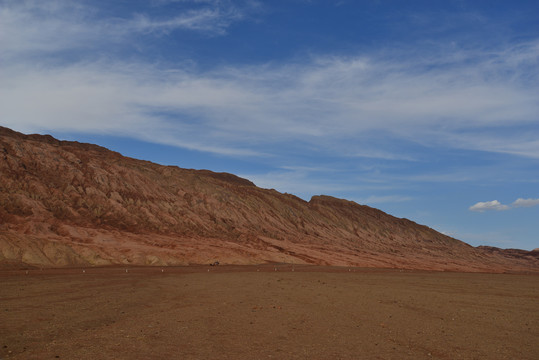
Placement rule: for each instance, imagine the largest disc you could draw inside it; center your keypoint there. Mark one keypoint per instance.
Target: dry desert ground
(266, 312)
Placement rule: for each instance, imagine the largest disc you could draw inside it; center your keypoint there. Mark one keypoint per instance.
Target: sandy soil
(258, 313)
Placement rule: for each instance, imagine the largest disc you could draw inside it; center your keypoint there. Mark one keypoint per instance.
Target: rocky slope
(71, 204)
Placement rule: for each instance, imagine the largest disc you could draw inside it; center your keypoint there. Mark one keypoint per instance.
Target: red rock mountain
(71, 204)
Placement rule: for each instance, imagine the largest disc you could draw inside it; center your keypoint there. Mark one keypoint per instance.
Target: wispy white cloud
(488, 205)
(335, 103)
(444, 177)
(496, 205)
(309, 169)
(28, 27)
(525, 202)
(318, 100)
(383, 154)
(42, 27)
(507, 141)
(212, 20)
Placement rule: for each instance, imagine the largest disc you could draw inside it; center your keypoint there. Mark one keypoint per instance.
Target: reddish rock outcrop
(72, 204)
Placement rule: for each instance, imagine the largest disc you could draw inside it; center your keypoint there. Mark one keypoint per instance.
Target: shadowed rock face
(70, 204)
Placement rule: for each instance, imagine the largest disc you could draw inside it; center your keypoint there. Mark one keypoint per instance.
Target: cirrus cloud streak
(446, 96)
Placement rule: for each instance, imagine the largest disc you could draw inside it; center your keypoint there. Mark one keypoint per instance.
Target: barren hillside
(71, 204)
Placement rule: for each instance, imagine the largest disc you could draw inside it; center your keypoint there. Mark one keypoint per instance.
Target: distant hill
(73, 204)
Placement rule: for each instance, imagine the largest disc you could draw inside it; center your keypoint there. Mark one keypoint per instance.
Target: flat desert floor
(267, 312)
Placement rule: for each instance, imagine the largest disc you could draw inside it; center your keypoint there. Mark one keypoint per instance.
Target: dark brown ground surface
(258, 313)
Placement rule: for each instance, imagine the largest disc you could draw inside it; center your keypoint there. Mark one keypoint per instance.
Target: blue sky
(427, 110)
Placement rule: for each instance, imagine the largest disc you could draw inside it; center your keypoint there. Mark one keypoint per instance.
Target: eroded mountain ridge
(73, 204)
